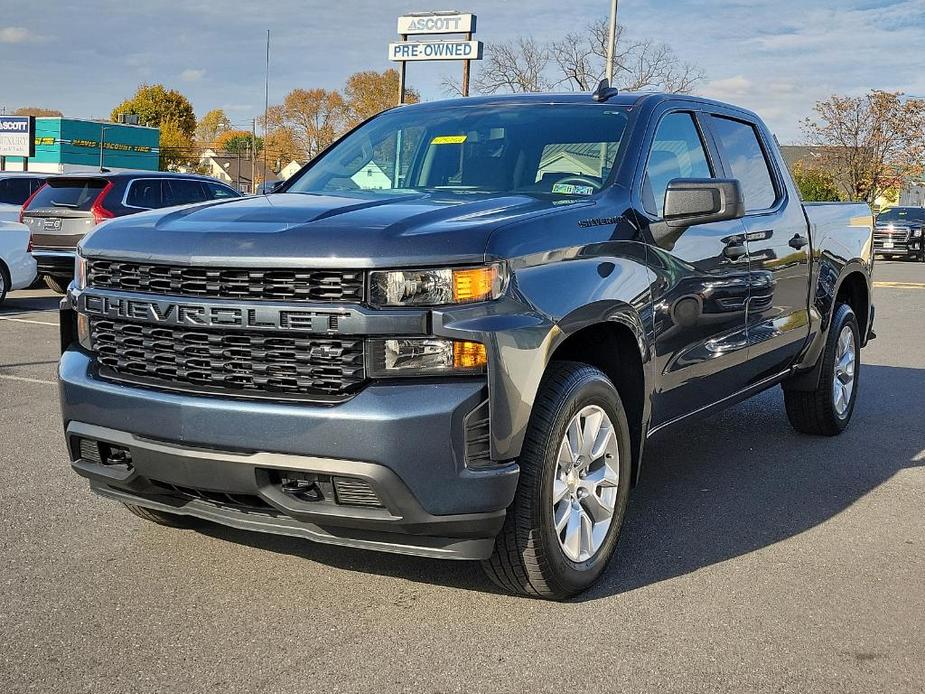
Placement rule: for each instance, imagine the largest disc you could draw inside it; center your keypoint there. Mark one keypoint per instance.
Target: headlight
(80, 272)
(438, 287)
(425, 357)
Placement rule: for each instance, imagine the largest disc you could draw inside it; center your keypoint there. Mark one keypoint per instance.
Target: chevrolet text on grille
(193, 314)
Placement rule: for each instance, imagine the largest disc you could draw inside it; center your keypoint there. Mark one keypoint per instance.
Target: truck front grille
(344, 286)
(895, 234)
(254, 364)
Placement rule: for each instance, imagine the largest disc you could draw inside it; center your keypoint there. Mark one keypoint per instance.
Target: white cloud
(728, 88)
(18, 35)
(192, 75)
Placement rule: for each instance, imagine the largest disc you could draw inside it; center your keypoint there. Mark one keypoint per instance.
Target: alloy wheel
(584, 492)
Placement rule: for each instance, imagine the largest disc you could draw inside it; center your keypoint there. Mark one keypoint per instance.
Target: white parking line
(27, 380)
(26, 320)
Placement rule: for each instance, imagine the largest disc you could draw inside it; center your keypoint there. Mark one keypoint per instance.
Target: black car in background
(900, 231)
(62, 211)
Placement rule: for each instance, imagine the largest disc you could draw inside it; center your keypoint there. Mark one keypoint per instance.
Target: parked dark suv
(901, 232)
(62, 211)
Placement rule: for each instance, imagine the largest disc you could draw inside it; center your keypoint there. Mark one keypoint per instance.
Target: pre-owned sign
(437, 23)
(435, 50)
(17, 136)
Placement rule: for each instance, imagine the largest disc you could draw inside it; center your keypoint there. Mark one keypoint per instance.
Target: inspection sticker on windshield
(572, 189)
(448, 140)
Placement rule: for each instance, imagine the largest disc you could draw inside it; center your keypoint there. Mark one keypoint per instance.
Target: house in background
(234, 170)
(289, 170)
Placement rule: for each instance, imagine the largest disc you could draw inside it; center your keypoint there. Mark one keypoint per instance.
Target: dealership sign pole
(17, 139)
(429, 23)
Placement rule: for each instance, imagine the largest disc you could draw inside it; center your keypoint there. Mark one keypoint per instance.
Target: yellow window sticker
(448, 140)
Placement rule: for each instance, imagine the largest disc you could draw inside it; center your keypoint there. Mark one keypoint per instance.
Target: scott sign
(17, 136)
(436, 50)
(437, 24)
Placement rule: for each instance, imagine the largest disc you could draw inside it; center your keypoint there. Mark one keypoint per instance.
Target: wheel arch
(617, 346)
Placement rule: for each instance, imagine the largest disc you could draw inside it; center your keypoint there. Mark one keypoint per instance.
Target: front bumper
(57, 263)
(407, 441)
(914, 245)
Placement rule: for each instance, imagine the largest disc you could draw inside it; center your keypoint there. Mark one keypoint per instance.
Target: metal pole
(266, 112)
(467, 64)
(611, 41)
(401, 75)
(254, 156)
(102, 137)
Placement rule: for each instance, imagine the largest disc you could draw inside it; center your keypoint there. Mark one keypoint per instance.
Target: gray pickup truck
(451, 334)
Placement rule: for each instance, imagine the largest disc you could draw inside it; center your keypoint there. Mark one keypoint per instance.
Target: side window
(744, 155)
(15, 190)
(219, 192)
(182, 192)
(144, 193)
(677, 152)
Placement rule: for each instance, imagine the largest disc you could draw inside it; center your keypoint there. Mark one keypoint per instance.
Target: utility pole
(254, 156)
(612, 39)
(266, 112)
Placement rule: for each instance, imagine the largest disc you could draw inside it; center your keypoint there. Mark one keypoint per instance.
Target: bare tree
(870, 143)
(637, 64)
(517, 66)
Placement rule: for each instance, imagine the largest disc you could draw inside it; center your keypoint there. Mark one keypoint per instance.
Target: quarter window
(745, 158)
(677, 152)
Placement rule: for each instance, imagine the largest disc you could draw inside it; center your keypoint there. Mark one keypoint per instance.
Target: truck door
(700, 290)
(778, 248)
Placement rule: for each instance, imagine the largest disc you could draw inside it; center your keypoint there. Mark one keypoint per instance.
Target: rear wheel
(171, 520)
(827, 410)
(57, 283)
(562, 529)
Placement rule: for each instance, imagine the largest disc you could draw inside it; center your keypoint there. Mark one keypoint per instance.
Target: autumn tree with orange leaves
(870, 144)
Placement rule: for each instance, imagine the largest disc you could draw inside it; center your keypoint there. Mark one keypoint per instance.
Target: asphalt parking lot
(753, 559)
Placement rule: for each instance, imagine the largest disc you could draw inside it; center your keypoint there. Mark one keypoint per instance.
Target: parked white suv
(17, 266)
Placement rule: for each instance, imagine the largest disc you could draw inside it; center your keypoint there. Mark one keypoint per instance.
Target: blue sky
(776, 57)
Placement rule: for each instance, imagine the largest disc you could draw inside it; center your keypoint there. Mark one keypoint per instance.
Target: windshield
(554, 149)
(903, 215)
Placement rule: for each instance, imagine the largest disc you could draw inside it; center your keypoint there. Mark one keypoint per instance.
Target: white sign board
(436, 24)
(17, 136)
(435, 50)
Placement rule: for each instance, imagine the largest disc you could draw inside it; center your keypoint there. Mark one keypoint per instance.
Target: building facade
(71, 145)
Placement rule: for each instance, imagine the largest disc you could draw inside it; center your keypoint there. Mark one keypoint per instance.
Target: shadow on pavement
(19, 305)
(711, 490)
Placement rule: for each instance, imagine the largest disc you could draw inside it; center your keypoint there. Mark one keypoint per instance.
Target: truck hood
(302, 229)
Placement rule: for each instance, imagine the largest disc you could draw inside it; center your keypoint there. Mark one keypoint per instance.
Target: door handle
(735, 250)
(797, 242)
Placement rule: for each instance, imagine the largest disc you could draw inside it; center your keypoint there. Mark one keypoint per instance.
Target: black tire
(57, 283)
(171, 520)
(528, 559)
(814, 412)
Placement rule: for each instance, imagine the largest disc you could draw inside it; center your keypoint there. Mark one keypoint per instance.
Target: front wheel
(562, 529)
(827, 409)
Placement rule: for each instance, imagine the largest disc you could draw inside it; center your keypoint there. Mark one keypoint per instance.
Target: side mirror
(693, 201)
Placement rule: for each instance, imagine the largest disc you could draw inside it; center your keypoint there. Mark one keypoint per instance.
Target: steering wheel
(580, 180)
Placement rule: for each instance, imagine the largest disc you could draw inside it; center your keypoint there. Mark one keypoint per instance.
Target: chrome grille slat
(257, 284)
(239, 362)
